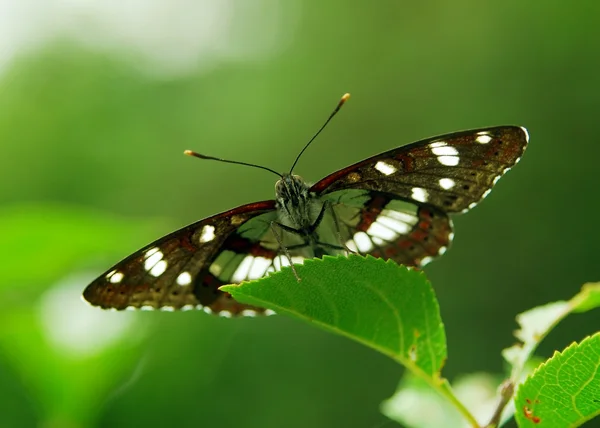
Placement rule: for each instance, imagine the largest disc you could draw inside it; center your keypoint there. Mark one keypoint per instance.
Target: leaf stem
(442, 386)
(446, 391)
(507, 390)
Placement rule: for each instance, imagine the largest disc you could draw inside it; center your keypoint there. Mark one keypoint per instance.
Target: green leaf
(380, 304)
(587, 299)
(387, 307)
(536, 323)
(565, 390)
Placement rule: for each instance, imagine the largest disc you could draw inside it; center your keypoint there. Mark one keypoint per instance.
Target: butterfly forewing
(179, 270)
(452, 172)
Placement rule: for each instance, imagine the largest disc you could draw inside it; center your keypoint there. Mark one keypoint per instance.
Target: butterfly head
(291, 189)
(291, 192)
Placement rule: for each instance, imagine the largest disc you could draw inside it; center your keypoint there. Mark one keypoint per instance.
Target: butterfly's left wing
(396, 204)
(184, 269)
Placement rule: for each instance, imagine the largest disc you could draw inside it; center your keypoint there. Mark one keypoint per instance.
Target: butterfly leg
(327, 206)
(338, 230)
(319, 219)
(283, 247)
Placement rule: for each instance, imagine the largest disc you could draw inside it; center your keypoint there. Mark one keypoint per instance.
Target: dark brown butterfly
(394, 205)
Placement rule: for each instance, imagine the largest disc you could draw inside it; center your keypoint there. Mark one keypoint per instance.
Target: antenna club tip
(194, 154)
(345, 97)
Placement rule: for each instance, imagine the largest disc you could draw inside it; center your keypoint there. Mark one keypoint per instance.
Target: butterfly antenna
(199, 156)
(333, 113)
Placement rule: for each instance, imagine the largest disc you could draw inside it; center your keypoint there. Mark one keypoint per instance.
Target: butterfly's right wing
(395, 205)
(184, 269)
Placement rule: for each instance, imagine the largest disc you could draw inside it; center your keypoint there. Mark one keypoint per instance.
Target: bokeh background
(99, 99)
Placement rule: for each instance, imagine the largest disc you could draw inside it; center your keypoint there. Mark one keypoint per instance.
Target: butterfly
(394, 205)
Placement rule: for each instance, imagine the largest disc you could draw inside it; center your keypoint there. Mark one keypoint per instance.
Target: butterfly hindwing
(376, 223)
(178, 270)
(452, 172)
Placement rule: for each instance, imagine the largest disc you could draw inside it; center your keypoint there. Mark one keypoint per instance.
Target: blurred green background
(99, 99)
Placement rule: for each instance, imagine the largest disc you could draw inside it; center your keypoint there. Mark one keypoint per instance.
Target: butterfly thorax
(298, 207)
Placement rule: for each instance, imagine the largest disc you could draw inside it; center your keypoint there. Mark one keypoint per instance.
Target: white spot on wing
(259, 267)
(487, 192)
(444, 151)
(448, 160)
(426, 260)
(248, 313)
(363, 242)
(526, 133)
(184, 278)
(390, 222)
(483, 139)
(443, 250)
(377, 241)
(385, 168)
(242, 271)
(159, 268)
(269, 312)
(419, 194)
(438, 144)
(207, 310)
(380, 231)
(207, 234)
(153, 259)
(282, 261)
(116, 278)
(351, 245)
(225, 314)
(407, 218)
(447, 183)
(151, 251)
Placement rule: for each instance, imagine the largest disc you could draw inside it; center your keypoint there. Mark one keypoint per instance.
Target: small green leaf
(416, 405)
(565, 390)
(587, 299)
(536, 323)
(385, 306)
